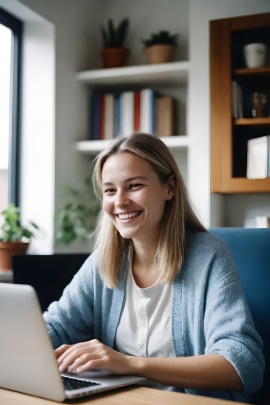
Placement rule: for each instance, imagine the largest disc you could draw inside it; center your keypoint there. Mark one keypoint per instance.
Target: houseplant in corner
(160, 47)
(77, 219)
(14, 238)
(114, 53)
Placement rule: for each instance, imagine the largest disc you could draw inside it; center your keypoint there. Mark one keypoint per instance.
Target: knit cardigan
(209, 312)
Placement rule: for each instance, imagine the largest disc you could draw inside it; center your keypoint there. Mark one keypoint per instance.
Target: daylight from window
(5, 108)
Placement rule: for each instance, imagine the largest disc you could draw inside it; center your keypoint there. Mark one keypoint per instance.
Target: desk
(124, 396)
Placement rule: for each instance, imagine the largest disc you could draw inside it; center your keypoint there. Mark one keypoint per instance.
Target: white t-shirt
(145, 327)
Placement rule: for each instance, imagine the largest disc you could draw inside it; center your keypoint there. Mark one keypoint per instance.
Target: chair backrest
(48, 274)
(251, 252)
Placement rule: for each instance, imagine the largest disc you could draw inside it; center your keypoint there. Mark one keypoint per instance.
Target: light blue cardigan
(209, 312)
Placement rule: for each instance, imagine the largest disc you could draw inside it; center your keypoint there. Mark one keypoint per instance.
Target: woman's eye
(135, 185)
(108, 191)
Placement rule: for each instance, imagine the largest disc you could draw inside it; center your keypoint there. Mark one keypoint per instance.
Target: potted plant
(78, 217)
(14, 238)
(160, 47)
(114, 53)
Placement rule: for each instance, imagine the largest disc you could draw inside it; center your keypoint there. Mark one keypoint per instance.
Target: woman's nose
(121, 199)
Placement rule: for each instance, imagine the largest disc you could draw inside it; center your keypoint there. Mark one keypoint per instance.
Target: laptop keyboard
(74, 384)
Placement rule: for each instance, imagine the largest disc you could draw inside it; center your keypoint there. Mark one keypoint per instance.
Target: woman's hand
(91, 354)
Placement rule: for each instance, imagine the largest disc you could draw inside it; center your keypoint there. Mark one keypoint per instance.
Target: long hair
(178, 216)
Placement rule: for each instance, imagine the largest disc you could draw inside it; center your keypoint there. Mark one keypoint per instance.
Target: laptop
(27, 359)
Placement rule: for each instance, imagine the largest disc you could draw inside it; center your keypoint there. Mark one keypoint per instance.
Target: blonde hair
(178, 216)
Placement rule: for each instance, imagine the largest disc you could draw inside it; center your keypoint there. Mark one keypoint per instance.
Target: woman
(160, 297)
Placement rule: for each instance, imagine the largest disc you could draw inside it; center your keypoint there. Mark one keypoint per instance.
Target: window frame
(16, 26)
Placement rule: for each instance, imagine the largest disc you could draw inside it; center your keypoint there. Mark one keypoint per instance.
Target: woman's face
(134, 197)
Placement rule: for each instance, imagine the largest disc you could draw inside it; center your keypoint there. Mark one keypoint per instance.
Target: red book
(101, 116)
(137, 111)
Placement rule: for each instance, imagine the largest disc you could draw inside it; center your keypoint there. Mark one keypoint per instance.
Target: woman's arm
(209, 371)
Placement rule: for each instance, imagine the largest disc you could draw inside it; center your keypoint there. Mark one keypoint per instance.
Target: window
(10, 55)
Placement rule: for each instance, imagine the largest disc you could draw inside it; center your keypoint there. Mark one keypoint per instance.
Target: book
(258, 157)
(95, 117)
(126, 113)
(137, 111)
(147, 115)
(117, 114)
(164, 116)
(101, 116)
(239, 101)
(108, 116)
(234, 99)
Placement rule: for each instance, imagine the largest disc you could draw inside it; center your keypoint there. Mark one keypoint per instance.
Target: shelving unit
(229, 136)
(94, 147)
(174, 73)
(167, 75)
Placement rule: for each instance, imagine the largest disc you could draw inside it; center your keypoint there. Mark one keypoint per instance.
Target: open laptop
(27, 359)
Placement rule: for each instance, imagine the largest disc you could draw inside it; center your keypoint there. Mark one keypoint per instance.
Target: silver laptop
(27, 359)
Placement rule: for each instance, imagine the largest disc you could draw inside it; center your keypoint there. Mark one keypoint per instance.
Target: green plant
(114, 37)
(161, 38)
(78, 217)
(12, 230)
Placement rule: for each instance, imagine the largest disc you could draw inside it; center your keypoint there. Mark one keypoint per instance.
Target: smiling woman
(160, 297)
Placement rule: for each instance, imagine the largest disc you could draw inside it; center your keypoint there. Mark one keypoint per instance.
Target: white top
(145, 327)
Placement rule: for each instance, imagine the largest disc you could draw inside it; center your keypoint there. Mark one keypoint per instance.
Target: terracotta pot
(7, 249)
(114, 57)
(160, 53)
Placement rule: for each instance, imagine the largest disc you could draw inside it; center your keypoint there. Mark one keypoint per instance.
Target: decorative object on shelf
(258, 103)
(255, 55)
(14, 238)
(114, 53)
(160, 47)
(78, 217)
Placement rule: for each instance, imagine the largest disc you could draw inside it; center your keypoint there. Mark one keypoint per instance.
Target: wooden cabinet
(229, 136)
(166, 78)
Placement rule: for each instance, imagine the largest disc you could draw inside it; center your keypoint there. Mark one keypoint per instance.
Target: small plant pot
(7, 249)
(160, 53)
(114, 57)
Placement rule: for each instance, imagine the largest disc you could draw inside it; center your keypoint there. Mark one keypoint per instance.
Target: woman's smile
(124, 217)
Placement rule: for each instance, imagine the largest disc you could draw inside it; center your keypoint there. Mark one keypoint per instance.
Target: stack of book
(121, 114)
(258, 157)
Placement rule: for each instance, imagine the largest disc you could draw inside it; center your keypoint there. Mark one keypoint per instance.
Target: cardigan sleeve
(216, 318)
(70, 320)
(228, 325)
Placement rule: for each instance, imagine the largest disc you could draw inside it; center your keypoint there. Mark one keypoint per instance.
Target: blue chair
(251, 252)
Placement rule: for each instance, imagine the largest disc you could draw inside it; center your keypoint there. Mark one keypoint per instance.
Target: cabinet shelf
(254, 71)
(252, 121)
(94, 147)
(173, 74)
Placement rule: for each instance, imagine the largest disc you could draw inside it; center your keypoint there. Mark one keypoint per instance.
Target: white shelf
(173, 73)
(94, 147)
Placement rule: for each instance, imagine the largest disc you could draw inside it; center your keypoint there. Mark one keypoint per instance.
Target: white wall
(212, 206)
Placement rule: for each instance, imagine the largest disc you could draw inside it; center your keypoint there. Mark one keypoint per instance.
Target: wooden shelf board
(254, 71)
(252, 121)
(241, 185)
(173, 73)
(94, 147)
